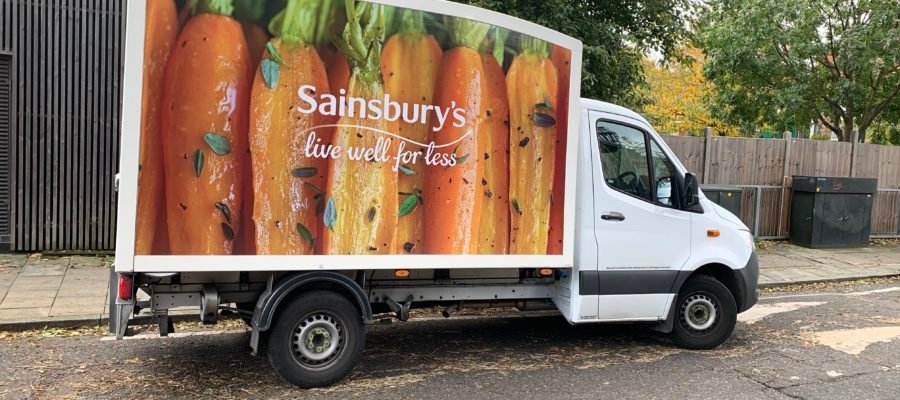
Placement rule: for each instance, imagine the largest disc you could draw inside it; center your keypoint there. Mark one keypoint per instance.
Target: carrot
(494, 231)
(532, 85)
(454, 195)
(329, 25)
(161, 31)
(256, 41)
(409, 65)
(287, 185)
(562, 60)
(338, 68)
(361, 208)
(251, 14)
(204, 125)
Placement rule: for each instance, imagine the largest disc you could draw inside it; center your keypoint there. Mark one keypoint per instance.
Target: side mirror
(664, 191)
(691, 191)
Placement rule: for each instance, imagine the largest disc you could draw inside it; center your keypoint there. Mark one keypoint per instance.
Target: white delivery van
(387, 155)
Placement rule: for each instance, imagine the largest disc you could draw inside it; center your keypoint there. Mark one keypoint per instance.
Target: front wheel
(317, 339)
(706, 314)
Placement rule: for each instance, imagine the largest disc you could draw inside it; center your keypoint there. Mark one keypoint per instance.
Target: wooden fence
(762, 167)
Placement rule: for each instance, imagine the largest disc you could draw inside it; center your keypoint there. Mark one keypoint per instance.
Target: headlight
(748, 238)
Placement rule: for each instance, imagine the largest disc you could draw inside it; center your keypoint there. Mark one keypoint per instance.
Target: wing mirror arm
(691, 193)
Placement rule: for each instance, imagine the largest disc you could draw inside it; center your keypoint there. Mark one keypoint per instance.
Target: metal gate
(64, 139)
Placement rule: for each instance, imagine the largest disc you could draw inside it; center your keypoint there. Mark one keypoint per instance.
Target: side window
(628, 168)
(623, 158)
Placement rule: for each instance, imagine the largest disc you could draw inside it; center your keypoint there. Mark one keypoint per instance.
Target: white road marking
(855, 341)
(761, 311)
(877, 291)
(865, 293)
(155, 335)
(834, 374)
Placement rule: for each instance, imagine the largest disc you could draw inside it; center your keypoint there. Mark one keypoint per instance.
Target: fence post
(788, 139)
(854, 138)
(707, 153)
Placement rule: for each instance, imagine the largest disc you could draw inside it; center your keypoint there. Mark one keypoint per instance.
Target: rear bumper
(749, 282)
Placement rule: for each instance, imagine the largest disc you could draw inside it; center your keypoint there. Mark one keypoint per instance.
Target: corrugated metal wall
(5, 134)
(67, 59)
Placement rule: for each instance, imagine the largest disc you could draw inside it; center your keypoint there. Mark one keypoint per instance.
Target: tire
(320, 316)
(706, 314)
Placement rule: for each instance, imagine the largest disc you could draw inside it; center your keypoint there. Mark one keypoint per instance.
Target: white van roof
(602, 106)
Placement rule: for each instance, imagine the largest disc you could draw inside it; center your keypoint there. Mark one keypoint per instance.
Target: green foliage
(786, 63)
(884, 133)
(615, 33)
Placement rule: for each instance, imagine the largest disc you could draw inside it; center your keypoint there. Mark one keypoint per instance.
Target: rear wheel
(317, 339)
(706, 314)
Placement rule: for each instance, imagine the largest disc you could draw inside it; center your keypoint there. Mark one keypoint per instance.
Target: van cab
(649, 245)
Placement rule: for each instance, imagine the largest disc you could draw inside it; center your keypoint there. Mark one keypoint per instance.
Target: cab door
(643, 235)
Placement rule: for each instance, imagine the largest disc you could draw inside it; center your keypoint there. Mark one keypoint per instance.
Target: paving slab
(12, 262)
(19, 314)
(47, 261)
(90, 262)
(24, 283)
(44, 270)
(77, 305)
(28, 299)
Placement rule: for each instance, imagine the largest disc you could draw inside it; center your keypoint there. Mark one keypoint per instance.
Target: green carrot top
(412, 21)
(467, 33)
(223, 7)
(534, 46)
(363, 39)
(305, 22)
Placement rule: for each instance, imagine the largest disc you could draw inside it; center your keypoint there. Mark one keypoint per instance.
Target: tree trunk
(848, 129)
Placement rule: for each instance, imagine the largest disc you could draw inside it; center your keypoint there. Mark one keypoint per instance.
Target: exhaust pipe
(451, 309)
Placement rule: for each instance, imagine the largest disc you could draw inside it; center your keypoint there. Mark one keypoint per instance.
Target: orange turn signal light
(713, 233)
(546, 271)
(401, 273)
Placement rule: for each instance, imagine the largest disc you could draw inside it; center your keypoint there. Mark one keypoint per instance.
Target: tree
(615, 33)
(786, 63)
(677, 97)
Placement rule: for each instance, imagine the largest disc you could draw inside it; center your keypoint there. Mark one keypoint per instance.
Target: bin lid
(720, 188)
(830, 184)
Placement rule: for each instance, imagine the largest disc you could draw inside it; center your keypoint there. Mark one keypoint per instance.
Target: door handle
(613, 216)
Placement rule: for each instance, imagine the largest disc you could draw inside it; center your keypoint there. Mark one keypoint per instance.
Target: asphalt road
(824, 343)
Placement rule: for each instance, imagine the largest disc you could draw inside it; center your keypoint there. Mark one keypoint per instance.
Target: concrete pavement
(785, 264)
(36, 288)
(72, 290)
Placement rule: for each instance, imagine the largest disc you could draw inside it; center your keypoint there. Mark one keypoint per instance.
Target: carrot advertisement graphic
(409, 64)
(493, 234)
(162, 29)
(352, 128)
(455, 193)
(288, 185)
(204, 125)
(532, 85)
(361, 199)
(562, 60)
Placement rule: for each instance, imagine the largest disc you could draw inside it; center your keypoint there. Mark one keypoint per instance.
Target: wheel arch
(728, 276)
(291, 286)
